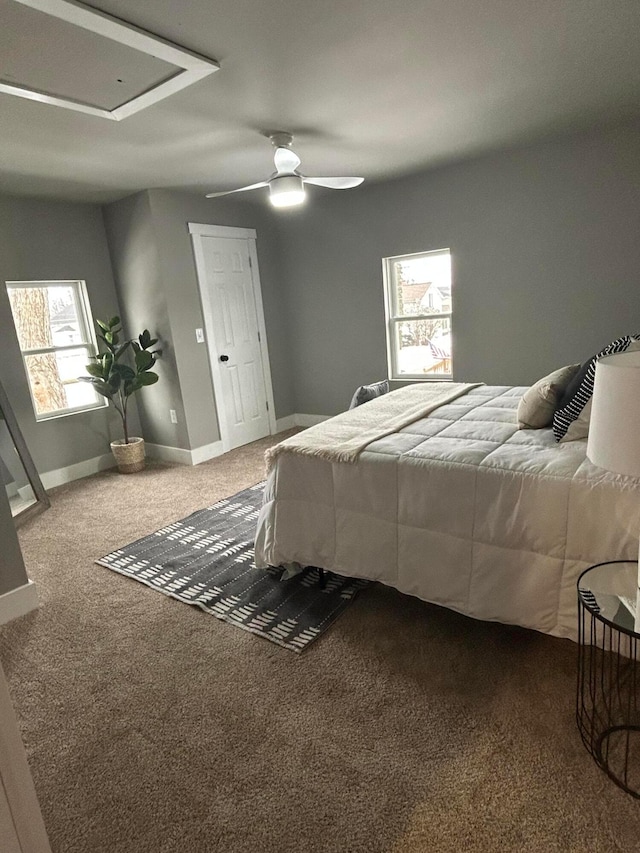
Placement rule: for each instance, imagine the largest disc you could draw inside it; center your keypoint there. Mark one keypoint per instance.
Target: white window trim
(392, 322)
(89, 342)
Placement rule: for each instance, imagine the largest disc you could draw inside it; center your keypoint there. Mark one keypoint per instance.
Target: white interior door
(234, 322)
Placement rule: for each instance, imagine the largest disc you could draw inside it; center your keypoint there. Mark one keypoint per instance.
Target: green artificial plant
(112, 377)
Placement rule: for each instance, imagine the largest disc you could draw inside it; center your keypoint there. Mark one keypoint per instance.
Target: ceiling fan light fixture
(287, 184)
(286, 191)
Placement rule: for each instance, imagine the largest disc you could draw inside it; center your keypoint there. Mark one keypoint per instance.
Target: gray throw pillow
(369, 392)
(539, 402)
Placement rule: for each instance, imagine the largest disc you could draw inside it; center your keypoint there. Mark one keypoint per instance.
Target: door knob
(224, 358)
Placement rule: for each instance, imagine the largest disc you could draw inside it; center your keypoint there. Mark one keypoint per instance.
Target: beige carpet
(152, 727)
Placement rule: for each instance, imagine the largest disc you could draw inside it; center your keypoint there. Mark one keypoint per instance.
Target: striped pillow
(571, 418)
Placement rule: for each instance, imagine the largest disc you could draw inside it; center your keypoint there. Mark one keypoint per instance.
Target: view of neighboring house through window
(55, 335)
(418, 308)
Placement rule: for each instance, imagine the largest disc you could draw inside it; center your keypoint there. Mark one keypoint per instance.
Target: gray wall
(545, 259)
(153, 260)
(136, 266)
(50, 240)
(545, 251)
(12, 571)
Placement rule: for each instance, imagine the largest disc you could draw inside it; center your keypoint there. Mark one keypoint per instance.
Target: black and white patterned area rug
(207, 560)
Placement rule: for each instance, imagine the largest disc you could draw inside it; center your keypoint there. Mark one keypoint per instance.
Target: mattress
(459, 508)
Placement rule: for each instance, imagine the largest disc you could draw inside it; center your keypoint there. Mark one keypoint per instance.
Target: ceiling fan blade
(285, 160)
(239, 190)
(335, 183)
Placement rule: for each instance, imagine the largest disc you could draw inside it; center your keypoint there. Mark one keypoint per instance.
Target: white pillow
(580, 427)
(539, 402)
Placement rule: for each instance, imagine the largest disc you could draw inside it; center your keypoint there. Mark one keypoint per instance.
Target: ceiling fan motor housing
(281, 139)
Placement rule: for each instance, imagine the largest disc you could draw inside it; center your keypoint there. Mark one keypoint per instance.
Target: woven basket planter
(130, 457)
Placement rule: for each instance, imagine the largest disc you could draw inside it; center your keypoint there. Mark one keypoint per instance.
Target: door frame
(198, 231)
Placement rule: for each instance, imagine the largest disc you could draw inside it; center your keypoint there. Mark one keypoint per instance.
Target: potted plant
(116, 380)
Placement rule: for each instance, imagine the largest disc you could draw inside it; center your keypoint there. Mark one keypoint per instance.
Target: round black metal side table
(608, 702)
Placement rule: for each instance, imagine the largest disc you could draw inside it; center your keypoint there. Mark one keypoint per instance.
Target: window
(418, 310)
(55, 335)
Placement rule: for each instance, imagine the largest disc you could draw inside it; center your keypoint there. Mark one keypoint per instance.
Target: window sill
(413, 379)
(65, 413)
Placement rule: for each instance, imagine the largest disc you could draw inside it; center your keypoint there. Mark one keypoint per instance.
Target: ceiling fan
(286, 184)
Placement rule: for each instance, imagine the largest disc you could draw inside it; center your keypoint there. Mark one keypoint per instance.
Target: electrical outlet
(200, 336)
(173, 416)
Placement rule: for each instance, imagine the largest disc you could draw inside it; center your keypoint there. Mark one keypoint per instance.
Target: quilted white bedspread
(459, 508)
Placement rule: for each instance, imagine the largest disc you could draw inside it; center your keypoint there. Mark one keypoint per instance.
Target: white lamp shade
(614, 428)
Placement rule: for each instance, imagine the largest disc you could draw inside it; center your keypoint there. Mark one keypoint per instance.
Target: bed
(456, 506)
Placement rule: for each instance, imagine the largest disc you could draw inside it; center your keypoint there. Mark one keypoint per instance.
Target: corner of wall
(136, 259)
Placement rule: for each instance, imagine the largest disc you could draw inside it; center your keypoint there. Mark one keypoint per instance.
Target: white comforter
(459, 508)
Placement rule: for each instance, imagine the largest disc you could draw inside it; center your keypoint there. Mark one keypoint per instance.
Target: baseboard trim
(184, 457)
(283, 424)
(51, 479)
(210, 451)
(299, 420)
(17, 602)
(168, 454)
(206, 452)
(310, 420)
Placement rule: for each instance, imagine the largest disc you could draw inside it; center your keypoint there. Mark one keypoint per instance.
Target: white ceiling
(368, 87)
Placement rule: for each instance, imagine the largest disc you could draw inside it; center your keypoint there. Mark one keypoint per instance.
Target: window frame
(89, 340)
(393, 320)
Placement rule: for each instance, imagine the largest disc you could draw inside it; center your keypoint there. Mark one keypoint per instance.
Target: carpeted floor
(153, 728)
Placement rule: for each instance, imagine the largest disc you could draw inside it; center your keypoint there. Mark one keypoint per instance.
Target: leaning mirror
(18, 474)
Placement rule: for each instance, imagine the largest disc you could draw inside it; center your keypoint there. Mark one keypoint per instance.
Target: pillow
(539, 402)
(571, 418)
(369, 392)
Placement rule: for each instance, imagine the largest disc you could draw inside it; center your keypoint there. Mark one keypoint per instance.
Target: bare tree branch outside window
(30, 307)
(54, 328)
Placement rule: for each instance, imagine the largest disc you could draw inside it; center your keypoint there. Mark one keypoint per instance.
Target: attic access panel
(65, 54)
